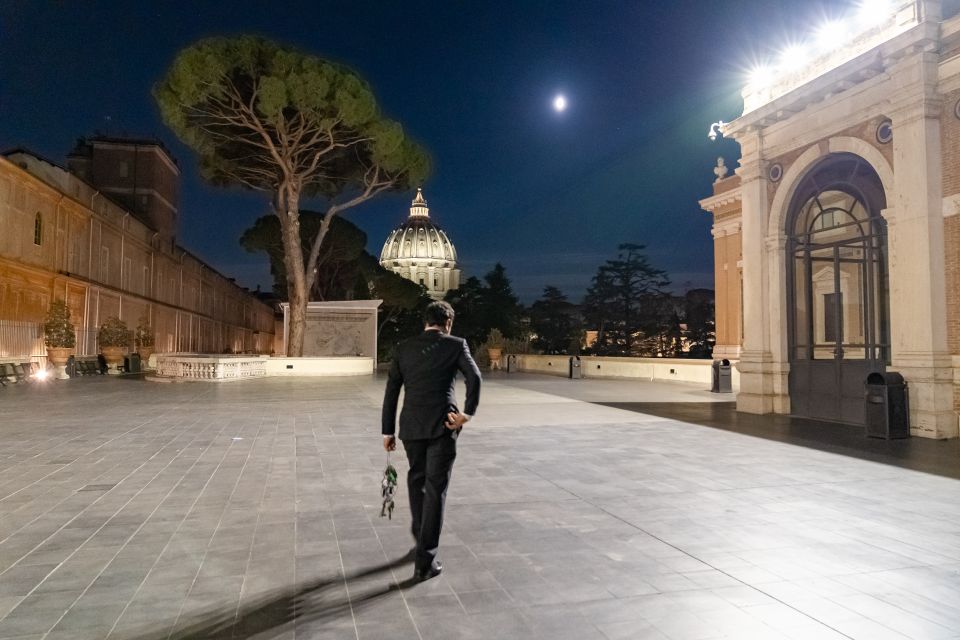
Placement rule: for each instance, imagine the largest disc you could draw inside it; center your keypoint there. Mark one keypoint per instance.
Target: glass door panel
(801, 309)
(824, 309)
(853, 286)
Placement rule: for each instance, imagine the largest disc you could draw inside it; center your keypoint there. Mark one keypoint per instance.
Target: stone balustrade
(197, 366)
(190, 366)
(663, 369)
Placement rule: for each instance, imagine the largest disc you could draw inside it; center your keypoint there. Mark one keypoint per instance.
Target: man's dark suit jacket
(426, 367)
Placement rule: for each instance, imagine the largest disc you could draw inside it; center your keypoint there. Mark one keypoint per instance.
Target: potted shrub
(144, 339)
(59, 337)
(494, 348)
(113, 337)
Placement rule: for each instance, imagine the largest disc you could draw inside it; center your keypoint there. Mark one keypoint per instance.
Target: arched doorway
(837, 288)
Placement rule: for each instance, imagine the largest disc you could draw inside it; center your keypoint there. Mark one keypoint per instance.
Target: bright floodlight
(560, 104)
(873, 12)
(760, 76)
(793, 58)
(831, 35)
(41, 374)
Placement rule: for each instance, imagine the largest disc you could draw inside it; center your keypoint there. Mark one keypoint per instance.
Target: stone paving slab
(136, 511)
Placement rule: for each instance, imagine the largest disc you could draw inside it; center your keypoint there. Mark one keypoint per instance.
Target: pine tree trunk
(288, 210)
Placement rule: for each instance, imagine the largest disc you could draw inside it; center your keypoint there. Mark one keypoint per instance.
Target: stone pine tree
(273, 119)
(554, 322)
(623, 301)
(501, 307)
(484, 305)
(337, 264)
(469, 304)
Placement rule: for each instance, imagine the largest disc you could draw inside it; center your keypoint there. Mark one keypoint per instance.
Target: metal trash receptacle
(722, 377)
(131, 363)
(511, 363)
(71, 368)
(576, 371)
(887, 405)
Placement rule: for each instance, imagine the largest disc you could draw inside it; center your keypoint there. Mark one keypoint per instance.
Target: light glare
(831, 35)
(793, 58)
(873, 12)
(760, 76)
(560, 103)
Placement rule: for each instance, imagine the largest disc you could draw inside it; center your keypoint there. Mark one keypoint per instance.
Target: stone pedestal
(58, 357)
(114, 358)
(763, 384)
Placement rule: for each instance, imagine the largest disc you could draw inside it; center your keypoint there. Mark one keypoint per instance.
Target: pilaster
(918, 322)
(763, 374)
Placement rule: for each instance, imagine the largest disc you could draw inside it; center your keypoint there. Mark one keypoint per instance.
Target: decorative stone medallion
(775, 172)
(956, 109)
(885, 132)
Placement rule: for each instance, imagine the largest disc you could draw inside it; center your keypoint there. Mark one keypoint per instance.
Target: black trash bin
(576, 372)
(887, 405)
(131, 363)
(511, 363)
(71, 367)
(722, 377)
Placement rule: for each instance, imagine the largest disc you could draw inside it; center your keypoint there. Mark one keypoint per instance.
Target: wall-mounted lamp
(716, 129)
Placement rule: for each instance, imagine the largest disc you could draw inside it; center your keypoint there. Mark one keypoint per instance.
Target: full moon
(560, 104)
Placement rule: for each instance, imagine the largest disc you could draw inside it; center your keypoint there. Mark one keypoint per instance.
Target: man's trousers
(431, 462)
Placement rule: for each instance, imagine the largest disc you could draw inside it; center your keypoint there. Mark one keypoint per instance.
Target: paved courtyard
(135, 510)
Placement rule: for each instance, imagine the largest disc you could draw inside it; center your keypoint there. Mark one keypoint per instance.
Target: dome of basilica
(420, 251)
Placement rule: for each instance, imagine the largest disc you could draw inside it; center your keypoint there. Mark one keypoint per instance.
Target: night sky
(549, 195)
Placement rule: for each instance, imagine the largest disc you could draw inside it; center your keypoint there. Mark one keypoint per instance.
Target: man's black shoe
(432, 571)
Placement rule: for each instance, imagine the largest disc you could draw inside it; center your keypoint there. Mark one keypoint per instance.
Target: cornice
(922, 38)
(714, 202)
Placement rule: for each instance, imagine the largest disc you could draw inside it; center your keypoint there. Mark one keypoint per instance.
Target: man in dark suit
(426, 367)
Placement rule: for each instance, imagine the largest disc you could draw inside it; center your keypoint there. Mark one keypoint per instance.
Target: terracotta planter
(114, 358)
(145, 353)
(494, 353)
(58, 357)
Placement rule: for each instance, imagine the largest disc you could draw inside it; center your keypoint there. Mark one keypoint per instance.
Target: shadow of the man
(308, 603)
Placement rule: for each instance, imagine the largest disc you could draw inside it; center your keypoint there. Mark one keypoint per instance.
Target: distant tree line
(627, 311)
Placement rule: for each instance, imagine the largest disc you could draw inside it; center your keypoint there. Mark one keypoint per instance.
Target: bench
(12, 372)
(89, 366)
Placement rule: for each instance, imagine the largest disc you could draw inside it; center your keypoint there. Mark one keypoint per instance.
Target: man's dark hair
(437, 313)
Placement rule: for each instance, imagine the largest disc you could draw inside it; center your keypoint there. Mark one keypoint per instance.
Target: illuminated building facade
(837, 240)
(108, 248)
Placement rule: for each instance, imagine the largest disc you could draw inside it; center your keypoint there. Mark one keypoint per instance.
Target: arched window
(837, 287)
(38, 230)
(838, 245)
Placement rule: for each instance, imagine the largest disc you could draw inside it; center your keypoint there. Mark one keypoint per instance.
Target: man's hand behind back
(456, 420)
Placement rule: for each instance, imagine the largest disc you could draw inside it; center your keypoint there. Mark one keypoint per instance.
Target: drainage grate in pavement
(97, 487)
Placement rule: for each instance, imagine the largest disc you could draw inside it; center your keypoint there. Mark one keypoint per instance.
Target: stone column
(918, 322)
(777, 367)
(761, 378)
